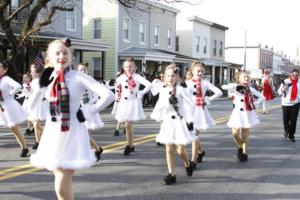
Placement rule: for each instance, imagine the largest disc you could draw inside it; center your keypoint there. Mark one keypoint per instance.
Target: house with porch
(204, 40)
(146, 33)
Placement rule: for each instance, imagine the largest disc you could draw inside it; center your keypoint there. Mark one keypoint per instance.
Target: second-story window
(126, 29)
(142, 32)
(156, 35)
(169, 38)
(204, 45)
(197, 43)
(97, 28)
(14, 5)
(221, 49)
(214, 47)
(71, 19)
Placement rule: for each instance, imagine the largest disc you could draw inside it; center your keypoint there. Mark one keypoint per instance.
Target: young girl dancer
(88, 99)
(26, 91)
(129, 108)
(11, 112)
(39, 113)
(64, 146)
(243, 116)
(174, 130)
(268, 89)
(197, 88)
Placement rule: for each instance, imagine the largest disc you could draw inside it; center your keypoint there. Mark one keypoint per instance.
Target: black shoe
(200, 156)
(27, 131)
(169, 179)
(116, 133)
(127, 150)
(35, 145)
(98, 154)
(285, 134)
(189, 169)
(24, 152)
(244, 157)
(159, 144)
(292, 139)
(239, 153)
(132, 149)
(194, 165)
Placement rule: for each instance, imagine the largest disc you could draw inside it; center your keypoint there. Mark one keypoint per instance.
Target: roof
(147, 54)
(204, 21)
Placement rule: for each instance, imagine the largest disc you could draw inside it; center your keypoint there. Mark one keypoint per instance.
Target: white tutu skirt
(202, 118)
(64, 150)
(242, 119)
(25, 104)
(115, 108)
(13, 113)
(174, 131)
(40, 112)
(92, 122)
(130, 110)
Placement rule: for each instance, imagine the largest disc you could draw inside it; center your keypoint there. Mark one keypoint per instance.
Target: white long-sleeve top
(238, 98)
(126, 94)
(286, 96)
(9, 87)
(164, 108)
(77, 83)
(205, 86)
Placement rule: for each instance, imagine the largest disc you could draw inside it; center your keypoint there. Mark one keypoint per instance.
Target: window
(97, 68)
(214, 47)
(142, 32)
(177, 44)
(97, 28)
(204, 45)
(14, 5)
(126, 28)
(169, 38)
(71, 19)
(156, 35)
(221, 49)
(197, 43)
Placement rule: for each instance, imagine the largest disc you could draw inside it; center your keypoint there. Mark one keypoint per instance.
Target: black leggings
(290, 115)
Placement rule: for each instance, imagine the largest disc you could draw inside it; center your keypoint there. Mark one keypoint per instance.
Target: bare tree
(132, 3)
(18, 42)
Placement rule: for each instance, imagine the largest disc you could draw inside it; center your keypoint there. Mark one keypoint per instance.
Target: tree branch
(19, 10)
(47, 20)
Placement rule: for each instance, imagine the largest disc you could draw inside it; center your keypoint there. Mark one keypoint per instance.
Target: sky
(275, 23)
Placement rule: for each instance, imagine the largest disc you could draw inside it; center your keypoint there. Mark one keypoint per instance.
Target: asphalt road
(272, 171)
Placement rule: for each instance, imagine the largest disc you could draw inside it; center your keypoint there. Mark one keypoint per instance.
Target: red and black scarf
(60, 100)
(199, 95)
(294, 92)
(249, 100)
(131, 82)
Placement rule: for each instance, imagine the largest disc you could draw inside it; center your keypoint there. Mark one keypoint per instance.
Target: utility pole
(245, 50)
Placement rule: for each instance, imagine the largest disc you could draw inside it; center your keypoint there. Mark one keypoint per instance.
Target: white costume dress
(173, 128)
(87, 101)
(25, 92)
(40, 111)
(129, 107)
(202, 118)
(240, 117)
(13, 112)
(69, 150)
